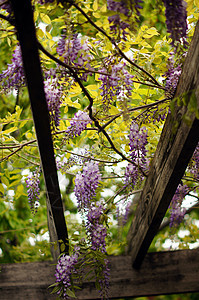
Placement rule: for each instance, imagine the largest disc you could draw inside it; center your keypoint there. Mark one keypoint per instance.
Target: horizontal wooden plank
(161, 273)
(175, 148)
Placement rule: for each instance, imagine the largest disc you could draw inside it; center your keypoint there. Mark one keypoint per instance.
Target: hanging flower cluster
(77, 124)
(53, 98)
(66, 266)
(95, 228)
(75, 53)
(118, 83)
(13, 77)
(32, 183)
(176, 211)
(86, 183)
(125, 8)
(176, 20)
(194, 169)
(172, 76)
(116, 23)
(137, 143)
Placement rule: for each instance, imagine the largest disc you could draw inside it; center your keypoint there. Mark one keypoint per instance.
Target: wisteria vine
(76, 64)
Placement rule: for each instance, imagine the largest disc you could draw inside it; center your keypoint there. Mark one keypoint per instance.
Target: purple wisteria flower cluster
(86, 183)
(75, 53)
(123, 210)
(95, 228)
(176, 20)
(194, 168)
(66, 267)
(172, 76)
(97, 233)
(77, 124)
(32, 184)
(53, 97)
(128, 9)
(13, 77)
(137, 142)
(176, 211)
(117, 83)
(117, 24)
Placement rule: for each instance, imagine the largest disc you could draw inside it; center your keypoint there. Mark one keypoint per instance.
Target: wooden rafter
(161, 273)
(28, 42)
(177, 143)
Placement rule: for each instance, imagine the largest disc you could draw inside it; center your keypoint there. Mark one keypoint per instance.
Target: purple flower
(176, 20)
(64, 270)
(118, 84)
(13, 77)
(53, 97)
(32, 183)
(176, 211)
(131, 175)
(95, 229)
(77, 124)
(137, 143)
(123, 210)
(194, 169)
(86, 183)
(172, 76)
(75, 53)
(122, 7)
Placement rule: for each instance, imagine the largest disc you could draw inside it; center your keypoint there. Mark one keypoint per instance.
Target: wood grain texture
(27, 38)
(175, 148)
(161, 273)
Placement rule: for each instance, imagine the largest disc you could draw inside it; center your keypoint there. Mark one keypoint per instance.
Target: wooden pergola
(139, 273)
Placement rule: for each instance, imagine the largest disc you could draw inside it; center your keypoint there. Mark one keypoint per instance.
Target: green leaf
(62, 247)
(56, 289)
(52, 285)
(1, 188)
(12, 129)
(5, 180)
(45, 18)
(70, 293)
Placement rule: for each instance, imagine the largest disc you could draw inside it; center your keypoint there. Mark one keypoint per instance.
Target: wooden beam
(161, 273)
(27, 37)
(177, 143)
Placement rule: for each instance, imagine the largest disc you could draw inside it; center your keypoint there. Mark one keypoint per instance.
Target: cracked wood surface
(175, 148)
(161, 273)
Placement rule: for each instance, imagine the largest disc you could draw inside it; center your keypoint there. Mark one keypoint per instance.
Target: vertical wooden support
(27, 38)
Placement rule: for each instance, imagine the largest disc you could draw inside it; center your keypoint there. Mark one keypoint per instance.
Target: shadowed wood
(175, 148)
(27, 37)
(161, 273)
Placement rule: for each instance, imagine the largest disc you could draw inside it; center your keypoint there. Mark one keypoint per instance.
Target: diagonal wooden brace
(177, 143)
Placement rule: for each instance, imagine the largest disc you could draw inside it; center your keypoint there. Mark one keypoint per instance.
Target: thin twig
(84, 90)
(114, 43)
(134, 109)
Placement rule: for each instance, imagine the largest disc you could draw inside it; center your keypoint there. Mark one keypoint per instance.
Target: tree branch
(84, 90)
(114, 43)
